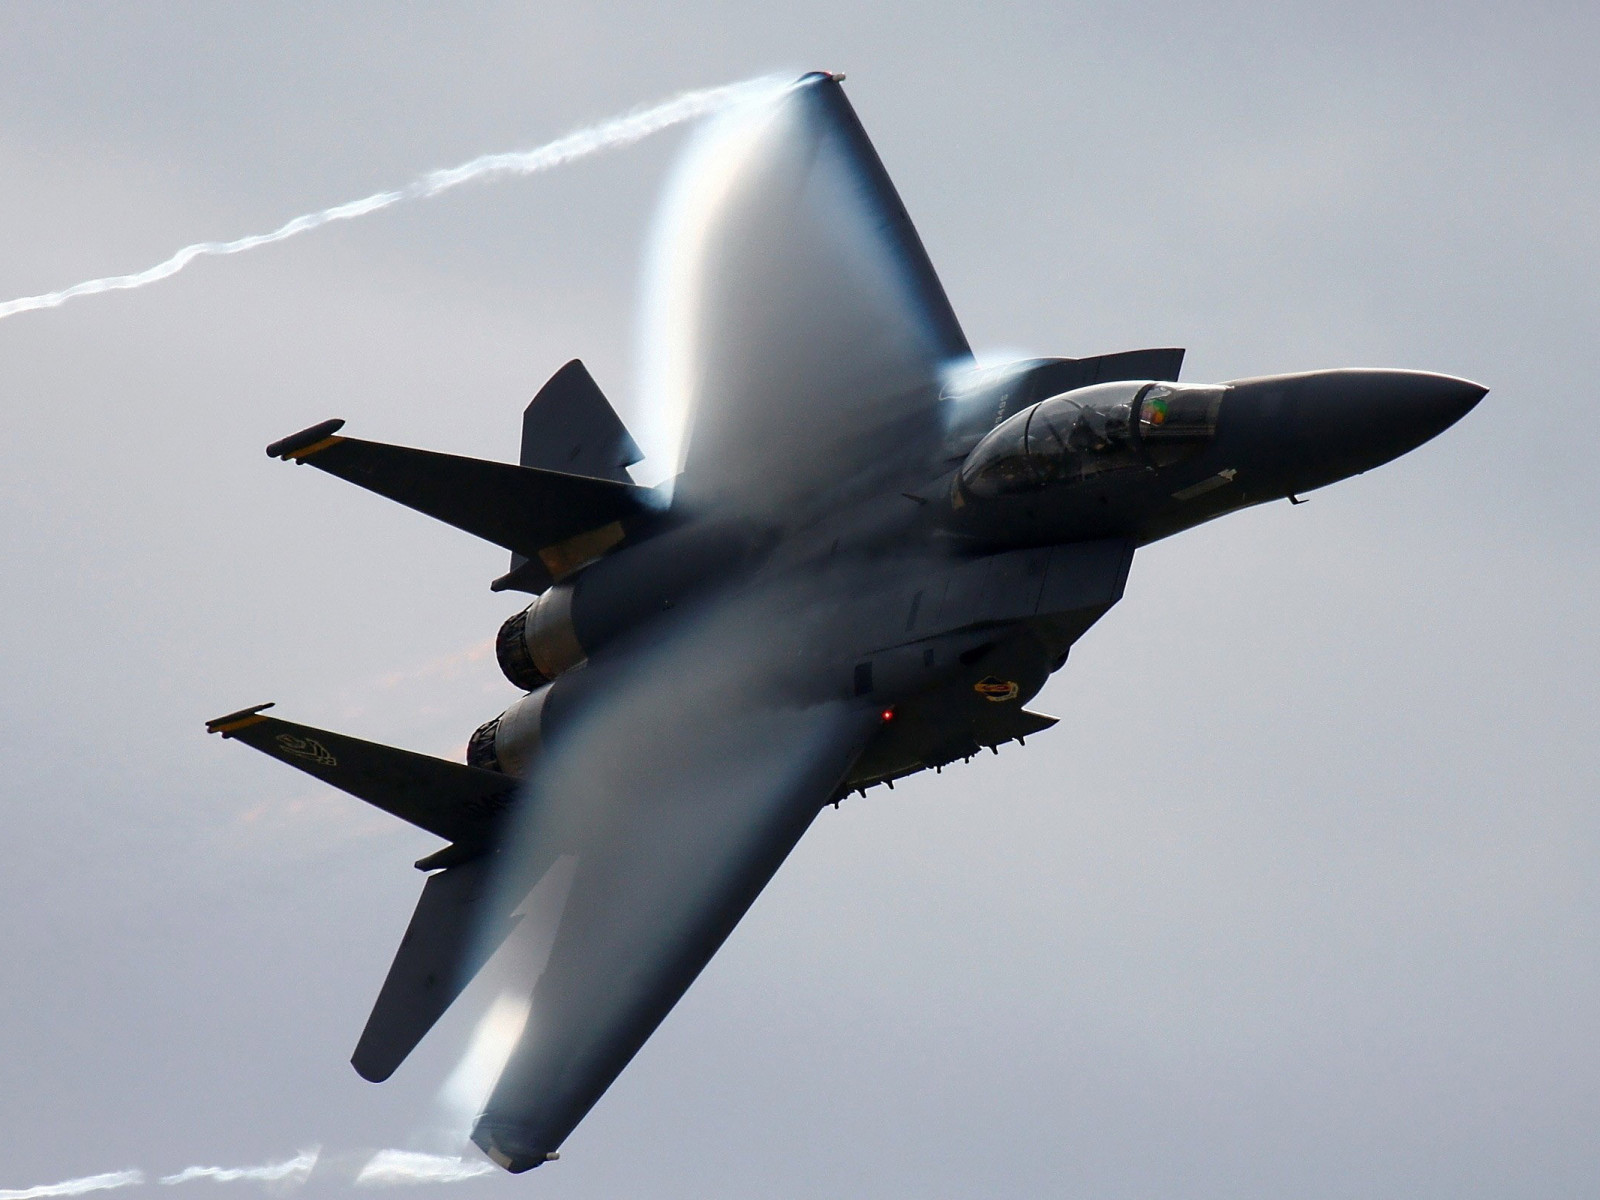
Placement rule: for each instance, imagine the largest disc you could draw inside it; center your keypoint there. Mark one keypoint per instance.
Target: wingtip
(509, 1155)
(307, 442)
(237, 720)
(370, 1069)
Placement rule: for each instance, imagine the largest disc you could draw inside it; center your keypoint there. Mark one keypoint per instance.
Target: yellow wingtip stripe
(228, 722)
(306, 452)
(234, 726)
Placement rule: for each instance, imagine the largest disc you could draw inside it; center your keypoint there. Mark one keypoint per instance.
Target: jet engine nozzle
(540, 642)
(509, 743)
(1315, 428)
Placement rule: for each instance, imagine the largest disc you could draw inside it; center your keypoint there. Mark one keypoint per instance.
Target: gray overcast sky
(1299, 899)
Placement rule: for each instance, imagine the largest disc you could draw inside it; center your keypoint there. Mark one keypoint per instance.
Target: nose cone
(1327, 425)
(1382, 413)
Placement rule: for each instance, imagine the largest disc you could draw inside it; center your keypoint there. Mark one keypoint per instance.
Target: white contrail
(76, 1187)
(607, 135)
(294, 1170)
(386, 1168)
(389, 1167)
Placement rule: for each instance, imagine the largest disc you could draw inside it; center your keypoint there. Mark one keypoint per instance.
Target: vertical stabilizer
(571, 427)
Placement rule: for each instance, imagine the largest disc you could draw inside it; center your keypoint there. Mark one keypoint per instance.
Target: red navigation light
(887, 714)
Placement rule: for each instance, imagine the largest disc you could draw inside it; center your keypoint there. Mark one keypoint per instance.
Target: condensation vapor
(294, 1170)
(670, 317)
(607, 135)
(391, 1167)
(386, 1168)
(76, 1187)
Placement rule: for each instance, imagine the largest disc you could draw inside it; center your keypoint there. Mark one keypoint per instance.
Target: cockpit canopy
(1106, 427)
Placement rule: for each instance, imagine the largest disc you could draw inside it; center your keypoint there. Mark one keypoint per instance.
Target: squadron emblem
(309, 749)
(992, 687)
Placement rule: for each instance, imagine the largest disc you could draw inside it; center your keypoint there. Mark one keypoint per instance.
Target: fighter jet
(874, 554)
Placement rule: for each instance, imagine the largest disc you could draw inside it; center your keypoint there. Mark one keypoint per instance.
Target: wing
(802, 325)
(675, 801)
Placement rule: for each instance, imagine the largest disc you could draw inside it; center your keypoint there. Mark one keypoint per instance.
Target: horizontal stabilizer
(445, 945)
(560, 521)
(449, 799)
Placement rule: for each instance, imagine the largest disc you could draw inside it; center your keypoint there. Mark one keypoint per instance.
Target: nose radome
(1382, 412)
(1333, 424)
(1425, 405)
